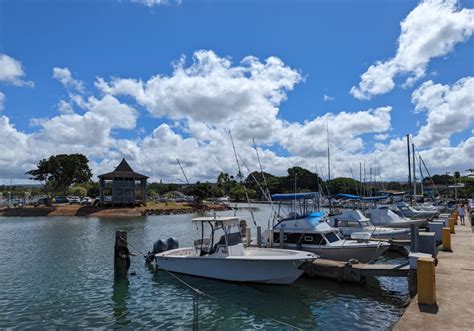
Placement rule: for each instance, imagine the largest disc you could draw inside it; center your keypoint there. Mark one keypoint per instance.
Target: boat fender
(172, 243)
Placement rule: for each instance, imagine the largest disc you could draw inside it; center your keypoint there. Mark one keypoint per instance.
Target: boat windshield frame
(297, 206)
(230, 237)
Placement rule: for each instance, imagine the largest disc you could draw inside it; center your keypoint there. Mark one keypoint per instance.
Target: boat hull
(364, 254)
(254, 270)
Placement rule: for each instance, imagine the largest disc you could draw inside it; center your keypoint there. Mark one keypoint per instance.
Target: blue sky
(330, 44)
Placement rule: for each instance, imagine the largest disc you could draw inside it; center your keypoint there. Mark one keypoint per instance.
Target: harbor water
(58, 272)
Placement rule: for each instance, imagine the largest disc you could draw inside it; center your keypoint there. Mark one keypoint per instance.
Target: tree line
(69, 174)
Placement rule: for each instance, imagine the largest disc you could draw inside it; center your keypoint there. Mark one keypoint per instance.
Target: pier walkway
(454, 289)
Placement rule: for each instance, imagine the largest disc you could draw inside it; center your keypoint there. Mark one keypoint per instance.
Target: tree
(59, 172)
(225, 182)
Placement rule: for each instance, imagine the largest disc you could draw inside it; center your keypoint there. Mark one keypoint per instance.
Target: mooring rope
(198, 291)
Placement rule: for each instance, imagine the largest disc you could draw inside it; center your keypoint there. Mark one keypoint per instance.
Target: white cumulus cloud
(2, 101)
(430, 30)
(155, 3)
(450, 109)
(11, 72)
(64, 76)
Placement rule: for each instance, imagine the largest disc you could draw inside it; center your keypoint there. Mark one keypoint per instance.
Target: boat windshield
(332, 237)
(364, 223)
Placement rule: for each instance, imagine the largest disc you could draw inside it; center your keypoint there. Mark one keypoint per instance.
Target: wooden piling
(259, 236)
(121, 254)
(282, 238)
(248, 237)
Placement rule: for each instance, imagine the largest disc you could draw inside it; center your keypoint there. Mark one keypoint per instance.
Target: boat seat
(202, 245)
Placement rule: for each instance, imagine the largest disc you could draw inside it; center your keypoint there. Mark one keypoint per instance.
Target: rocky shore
(77, 210)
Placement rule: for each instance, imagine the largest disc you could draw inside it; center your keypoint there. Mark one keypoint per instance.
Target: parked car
(42, 201)
(87, 201)
(60, 199)
(73, 199)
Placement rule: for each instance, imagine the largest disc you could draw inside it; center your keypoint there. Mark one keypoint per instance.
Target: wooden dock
(353, 273)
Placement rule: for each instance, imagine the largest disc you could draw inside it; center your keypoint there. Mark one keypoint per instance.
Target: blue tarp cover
(317, 214)
(356, 197)
(293, 196)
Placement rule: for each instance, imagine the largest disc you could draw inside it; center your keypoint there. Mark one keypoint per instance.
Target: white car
(87, 201)
(73, 199)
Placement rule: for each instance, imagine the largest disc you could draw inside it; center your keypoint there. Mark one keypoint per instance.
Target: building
(123, 186)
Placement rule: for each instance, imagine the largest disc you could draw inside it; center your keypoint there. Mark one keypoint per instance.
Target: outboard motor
(158, 247)
(172, 243)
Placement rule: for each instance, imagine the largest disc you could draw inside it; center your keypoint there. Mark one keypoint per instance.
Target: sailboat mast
(421, 175)
(409, 166)
(414, 169)
(329, 158)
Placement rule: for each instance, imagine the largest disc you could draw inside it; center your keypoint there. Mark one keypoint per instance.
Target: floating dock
(454, 278)
(353, 273)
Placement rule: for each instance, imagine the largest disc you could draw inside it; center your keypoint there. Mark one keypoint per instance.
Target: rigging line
(182, 170)
(266, 184)
(128, 243)
(255, 179)
(428, 172)
(198, 291)
(241, 181)
(261, 170)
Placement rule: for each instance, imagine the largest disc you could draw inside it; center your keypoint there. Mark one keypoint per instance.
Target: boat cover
(293, 196)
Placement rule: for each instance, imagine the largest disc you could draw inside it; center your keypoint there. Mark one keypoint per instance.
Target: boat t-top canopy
(226, 220)
(294, 196)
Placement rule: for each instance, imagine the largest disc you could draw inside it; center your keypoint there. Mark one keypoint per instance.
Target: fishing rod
(241, 181)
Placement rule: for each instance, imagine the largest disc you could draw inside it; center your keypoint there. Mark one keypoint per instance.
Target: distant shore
(152, 208)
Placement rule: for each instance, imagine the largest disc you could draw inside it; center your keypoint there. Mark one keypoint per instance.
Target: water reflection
(120, 297)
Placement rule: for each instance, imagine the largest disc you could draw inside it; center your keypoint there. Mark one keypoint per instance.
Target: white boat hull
(364, 254)
(255, 269)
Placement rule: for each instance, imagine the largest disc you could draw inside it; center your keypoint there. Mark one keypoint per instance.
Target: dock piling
(282, 238)
(259, 236)
(248, 237)
(451, 225)
(426, 281)
(121, 254)
(447, 239)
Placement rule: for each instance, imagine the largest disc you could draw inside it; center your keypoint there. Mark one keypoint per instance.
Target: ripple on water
(58, 273)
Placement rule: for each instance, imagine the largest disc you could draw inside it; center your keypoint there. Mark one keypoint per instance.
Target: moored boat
(309, 231)
(228, 259)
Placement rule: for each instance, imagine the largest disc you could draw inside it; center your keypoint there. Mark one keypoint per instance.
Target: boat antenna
(241, 181)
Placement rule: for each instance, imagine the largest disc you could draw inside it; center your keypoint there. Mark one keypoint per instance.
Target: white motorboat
(383, 216)
(308, 231)
(351, 221)
(228, 259)
(405, 210)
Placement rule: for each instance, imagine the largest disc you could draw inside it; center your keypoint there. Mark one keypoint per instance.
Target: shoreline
(86, 211)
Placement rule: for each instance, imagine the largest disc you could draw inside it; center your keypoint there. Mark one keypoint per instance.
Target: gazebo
(125, 186)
